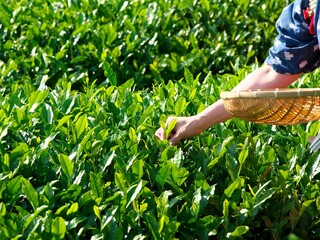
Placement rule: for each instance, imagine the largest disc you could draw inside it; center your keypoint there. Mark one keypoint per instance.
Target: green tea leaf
(47, 113)
(163, 175)
(133, 192)
(46, 142)
(107, 160)
(243, 156)
(188, 76)
(30, 193)
(20, 150)
(206, 4)
(239, 231)
(225, 210)
(3, 209)
(236, 184)
(67, 166)
(96, 211)
(14, 186)
(73, 208)
(106, 219)
(170, 127)
(28, 219)
(137, 169)
(96, 184)
(81, 125)
(58, 228)
(120, 182)
(35, 99)
(132, 134)
(109, 73)
(180, 106)
(63, 121)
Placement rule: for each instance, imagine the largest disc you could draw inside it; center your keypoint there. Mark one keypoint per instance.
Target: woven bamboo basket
(276, 107)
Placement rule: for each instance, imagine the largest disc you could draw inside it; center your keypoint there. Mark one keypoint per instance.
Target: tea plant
(145, 40)
(85, 84)
(86, 164)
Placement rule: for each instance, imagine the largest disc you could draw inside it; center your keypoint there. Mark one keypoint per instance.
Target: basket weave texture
(276, 107)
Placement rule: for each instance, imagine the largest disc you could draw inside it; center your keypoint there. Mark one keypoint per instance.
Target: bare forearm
(266, 78)
(262, 78)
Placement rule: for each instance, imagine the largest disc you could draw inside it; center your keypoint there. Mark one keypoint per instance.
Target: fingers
(160, 133)
(174, 136)
(311, 139)
(174, 140)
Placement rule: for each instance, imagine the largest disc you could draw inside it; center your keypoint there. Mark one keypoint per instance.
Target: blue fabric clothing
(295, 49)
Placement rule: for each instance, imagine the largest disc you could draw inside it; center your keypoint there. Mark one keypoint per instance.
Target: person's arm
(262, 78)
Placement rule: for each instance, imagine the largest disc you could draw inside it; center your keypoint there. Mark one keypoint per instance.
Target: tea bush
(78, 165)
(145, 40)
(85, 84)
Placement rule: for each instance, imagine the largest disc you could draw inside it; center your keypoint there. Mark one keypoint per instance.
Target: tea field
(85, 84)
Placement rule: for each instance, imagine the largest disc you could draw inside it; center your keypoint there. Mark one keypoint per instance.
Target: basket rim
(271, 93)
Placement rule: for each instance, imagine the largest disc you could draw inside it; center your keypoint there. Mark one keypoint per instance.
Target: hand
(184, 128)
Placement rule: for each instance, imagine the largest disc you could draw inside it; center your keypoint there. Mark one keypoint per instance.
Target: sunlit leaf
(239, 231)
(58, 227)
(237, 183)
(67, 165)
(81, 125)
(133, 192)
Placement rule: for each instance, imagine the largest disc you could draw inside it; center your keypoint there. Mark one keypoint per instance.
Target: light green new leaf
(243, 156)
(137, 168)
(304, 206)
(3, 209)
(132, 134)
(96, 211)
(170, 127)
(66, 165)
(81, 125)
(225, 210)
(73, 208)
(239, 231)
(36, 98)
(20, 150)
(188, 76)
(182, 175)
(206, 4)
(63, 121)
(180, 106)
(58, 227)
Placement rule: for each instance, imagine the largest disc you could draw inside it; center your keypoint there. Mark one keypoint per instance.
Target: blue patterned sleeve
(295, 49)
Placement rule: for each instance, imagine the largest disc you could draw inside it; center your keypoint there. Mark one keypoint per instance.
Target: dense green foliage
(78, 155)
(81, 164)
(150, 41)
